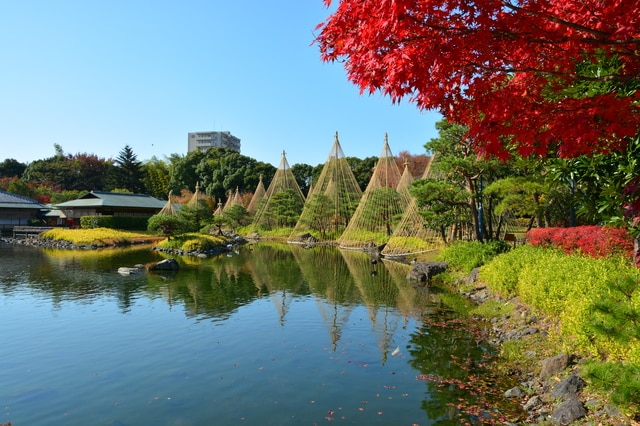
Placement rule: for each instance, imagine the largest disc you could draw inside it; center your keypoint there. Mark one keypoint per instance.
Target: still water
(269, 335)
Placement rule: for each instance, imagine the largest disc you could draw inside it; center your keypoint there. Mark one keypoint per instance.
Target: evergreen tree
(11, 167)
(127, 173)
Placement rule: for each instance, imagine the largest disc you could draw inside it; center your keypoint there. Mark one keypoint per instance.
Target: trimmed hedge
(114, 222)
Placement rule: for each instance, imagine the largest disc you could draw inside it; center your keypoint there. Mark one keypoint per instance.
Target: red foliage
(43, 199)
(498, 67)
(594, 241)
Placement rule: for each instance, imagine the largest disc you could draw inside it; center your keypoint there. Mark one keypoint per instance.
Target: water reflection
(338, 315)
(275, 272)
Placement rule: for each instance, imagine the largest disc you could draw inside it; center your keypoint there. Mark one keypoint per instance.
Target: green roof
(114, 199)
(15, 201)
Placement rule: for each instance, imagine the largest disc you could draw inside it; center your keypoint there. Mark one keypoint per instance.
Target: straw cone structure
(257, 196)
(218, 210)
(232, 200)
(237, 198)
(406, 179)
(331, 202)
(197, 196)
(381, 205)
(227, 204)
(168, 209)
(410, 237)
(282, 203)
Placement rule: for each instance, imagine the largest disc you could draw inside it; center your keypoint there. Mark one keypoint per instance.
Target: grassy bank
(99, 236)
(589, 307)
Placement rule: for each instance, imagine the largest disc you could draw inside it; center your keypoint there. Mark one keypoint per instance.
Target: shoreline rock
(552, 393)
(63, 244)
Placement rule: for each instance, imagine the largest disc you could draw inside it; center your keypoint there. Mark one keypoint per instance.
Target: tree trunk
(471, 188)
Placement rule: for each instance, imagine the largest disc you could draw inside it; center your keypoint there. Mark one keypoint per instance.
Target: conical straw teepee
(218, 211)
(168, 209)
(279, 210)
(229, 201)
(380, 207)
(197, 196)
(257, 196)
(332, 201)
(406, 179)
(410, 237)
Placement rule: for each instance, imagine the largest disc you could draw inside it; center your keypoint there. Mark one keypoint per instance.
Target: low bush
(596, 301)
(503, 271)
(466, 255)
(114, 222)
(594, 241)
(193, 242)
(623, 380)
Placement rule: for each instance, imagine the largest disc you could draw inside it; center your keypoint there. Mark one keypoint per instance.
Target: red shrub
(594, 241)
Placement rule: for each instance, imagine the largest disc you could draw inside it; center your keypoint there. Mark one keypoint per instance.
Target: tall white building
(202, 141)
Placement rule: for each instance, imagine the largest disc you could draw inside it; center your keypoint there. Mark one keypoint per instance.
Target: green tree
(20, 187)
(195, 216)
(304, 175)
(442, 204)
(156, 178)
(283, 209)
(457, 163)
(362, 169)
(520, 196)
(382, 210)
(236, 216)
(12, 168)
(224, 170)
(597, 183)
(77, 172)
(218, 170)
(319, 214)
(168, 225)
(183, 171)
(127, 172)
(55, 172)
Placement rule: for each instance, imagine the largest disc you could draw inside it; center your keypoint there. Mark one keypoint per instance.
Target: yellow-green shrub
(192, 241)
(503, 271)
(569, 287)
(85, 237)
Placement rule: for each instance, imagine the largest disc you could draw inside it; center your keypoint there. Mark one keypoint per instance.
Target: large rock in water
(123, 270)
(423, 272)
(165, 265)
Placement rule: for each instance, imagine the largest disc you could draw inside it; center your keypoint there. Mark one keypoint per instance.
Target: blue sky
(96, 75)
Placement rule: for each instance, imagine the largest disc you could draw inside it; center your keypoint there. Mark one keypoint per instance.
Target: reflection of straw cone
(328, 276)
(379, 294)
(411, 301)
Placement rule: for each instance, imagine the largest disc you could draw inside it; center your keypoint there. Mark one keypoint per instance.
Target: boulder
(554, 365)
(169, 264)
(123, 270)
(423, 272)
(568, 388)
(568, 412)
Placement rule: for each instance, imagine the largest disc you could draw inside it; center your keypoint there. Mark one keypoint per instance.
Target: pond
(267, 335)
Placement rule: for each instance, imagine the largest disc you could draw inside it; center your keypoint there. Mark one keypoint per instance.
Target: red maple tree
(534, 76)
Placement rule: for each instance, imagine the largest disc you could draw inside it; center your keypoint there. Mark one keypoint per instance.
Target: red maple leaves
(522, 75)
